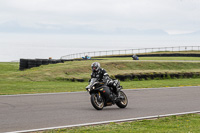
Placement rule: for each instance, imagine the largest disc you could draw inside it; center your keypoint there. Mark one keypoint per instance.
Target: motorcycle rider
(102, 76)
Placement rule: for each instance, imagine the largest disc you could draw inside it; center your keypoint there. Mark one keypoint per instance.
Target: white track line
(37, 94)
(103, 122)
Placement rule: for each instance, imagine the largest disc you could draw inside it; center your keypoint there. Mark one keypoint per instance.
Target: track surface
(24, 112)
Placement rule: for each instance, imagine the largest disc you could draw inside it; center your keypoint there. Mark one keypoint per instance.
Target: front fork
(99, 98)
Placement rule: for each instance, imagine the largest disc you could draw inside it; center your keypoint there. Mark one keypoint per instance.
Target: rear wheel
(123, 101)
(97, 104)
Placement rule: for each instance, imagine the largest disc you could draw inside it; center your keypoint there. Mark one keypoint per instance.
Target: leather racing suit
(102, 76)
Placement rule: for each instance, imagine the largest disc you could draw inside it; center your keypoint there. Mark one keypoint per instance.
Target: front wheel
(97, 104)
(123, 101)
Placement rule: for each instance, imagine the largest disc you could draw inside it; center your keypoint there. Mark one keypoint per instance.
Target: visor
(94, 68)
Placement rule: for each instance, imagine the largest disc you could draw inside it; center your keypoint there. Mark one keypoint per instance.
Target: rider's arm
(92, 75)
(105, 76)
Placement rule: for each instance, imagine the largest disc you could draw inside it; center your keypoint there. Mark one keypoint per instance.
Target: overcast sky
(99, 16)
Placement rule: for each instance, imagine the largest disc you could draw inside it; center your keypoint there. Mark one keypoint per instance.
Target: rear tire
(123, 102)
(96, 104)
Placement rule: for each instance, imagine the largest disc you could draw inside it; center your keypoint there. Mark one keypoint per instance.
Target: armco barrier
(157, 55)
(128, 52)
(29, 63)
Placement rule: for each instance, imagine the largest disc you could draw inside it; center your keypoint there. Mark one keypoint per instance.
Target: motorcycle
(102, 95)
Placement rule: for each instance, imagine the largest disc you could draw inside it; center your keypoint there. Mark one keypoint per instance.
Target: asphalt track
(25, 112)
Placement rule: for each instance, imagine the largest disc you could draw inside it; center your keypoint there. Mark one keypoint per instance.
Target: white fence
(131, 51)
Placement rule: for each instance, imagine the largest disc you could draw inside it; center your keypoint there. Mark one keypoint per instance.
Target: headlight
(93, 87)
(88, 89)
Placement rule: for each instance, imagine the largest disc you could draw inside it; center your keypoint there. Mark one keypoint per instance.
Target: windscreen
(93, 80)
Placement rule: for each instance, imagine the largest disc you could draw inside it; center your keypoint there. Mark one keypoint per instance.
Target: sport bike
(103, 95)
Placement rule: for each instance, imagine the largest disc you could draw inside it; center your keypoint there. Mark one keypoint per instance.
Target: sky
(53, 28)
(100, 16)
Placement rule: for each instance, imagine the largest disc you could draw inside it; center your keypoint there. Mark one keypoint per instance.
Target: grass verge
(30, 87)
(174, 124)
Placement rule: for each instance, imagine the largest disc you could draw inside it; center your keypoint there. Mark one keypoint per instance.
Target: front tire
(96, 104)
(123, 102)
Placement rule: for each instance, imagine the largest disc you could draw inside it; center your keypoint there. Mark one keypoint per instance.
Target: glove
(110, 82)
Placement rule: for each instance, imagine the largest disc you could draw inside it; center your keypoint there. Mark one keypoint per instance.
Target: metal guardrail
(131, 51)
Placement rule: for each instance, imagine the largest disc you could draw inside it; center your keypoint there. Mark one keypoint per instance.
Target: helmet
(95, 66)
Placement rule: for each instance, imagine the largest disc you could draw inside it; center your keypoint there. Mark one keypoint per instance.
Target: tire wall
(29, 63)
(148, 76)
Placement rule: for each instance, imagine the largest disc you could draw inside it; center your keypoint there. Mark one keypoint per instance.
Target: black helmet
(95, 66)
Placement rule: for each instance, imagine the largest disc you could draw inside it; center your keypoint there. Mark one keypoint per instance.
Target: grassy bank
(54, 77)
(173, 124)
(82, 69)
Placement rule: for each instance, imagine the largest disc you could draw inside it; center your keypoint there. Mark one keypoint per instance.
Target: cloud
(102, 15)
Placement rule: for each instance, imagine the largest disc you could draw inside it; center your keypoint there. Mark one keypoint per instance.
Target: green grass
(54, 77)
(171, 58)
(30, 87)
(154, 58)
(8, 67)
(174, 124)
(82, 69)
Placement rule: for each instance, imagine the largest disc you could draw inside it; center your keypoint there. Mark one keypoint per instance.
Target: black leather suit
(101, 75)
